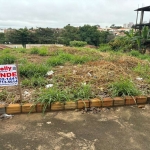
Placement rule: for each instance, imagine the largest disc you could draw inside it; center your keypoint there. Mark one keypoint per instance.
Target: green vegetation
(77, 43)
(34, 82)
(7, 59)
(29, 70)
(123, 87)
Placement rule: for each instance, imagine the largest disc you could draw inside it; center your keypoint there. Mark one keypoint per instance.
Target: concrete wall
(32, 45)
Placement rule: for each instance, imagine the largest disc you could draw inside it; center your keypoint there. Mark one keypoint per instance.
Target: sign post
(9, 76)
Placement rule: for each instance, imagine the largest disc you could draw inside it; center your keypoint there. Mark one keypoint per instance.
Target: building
(2, 30)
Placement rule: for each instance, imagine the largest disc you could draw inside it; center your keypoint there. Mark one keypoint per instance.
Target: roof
(147, 8)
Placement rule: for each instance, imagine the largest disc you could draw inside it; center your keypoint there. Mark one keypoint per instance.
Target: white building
(1, 30)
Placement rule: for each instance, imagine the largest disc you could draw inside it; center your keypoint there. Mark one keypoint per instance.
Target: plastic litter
(139, 79)
(6, 116)
(49, 73)
(49, 86)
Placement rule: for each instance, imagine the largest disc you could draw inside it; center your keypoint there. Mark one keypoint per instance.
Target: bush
(7, 59)
(77, 43)
(32, 70)
(123, 87)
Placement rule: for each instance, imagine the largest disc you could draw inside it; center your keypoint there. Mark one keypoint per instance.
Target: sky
(59, 13)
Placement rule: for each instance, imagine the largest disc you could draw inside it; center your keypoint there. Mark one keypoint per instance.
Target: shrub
(77, 43)
(32, 70)
(123, 87)
(7, 59)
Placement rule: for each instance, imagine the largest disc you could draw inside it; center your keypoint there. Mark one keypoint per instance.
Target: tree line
(87, 33)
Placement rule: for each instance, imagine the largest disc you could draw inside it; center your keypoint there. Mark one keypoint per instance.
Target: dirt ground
(120, 128)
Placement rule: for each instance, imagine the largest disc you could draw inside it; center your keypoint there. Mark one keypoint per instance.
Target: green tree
(90, 34)
(2, 38)
(70, 33)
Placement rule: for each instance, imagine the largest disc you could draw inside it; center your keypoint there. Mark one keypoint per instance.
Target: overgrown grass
(34, 82)
(34, 50)
(123, 87)
(43, 51)
(83, 92)
(7, 59)
(32, 70)
(143, 70)
(104, 48)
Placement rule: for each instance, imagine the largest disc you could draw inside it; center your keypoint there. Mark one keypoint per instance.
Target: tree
(70, 33)
(20, 36)
(90, 34)
(2, 38)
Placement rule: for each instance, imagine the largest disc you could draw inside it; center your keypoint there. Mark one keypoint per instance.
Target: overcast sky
(58, 13)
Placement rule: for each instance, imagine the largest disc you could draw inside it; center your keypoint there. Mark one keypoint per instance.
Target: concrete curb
(72, 105)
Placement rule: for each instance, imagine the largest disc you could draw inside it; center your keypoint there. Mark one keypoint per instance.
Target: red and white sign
(8, 75)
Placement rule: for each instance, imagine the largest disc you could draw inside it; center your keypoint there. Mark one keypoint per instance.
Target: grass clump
(34, 82)
(77, 43)
(143, 70)
(123, 87)
(43, 51)
(104, 48)
(48, 96)
(83, 92)
(80, 59)
(34, 50)
(55, 61)
(32, 70)
(7, 59)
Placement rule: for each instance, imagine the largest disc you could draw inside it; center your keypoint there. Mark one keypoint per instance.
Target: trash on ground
(49, 122)
(49, 86)
(26, 93)
(49, 73)
(6, 116)
(139, 79)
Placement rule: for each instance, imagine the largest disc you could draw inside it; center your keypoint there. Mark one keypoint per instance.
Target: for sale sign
(8, 75)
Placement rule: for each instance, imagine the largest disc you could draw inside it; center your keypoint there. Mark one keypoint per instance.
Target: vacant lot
(75, 73)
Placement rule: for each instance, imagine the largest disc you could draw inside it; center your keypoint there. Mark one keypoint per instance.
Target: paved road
(122, 128)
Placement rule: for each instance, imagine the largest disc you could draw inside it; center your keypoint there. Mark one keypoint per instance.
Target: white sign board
(8, 75)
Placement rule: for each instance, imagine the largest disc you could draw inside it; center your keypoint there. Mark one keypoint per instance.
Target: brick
(129, 100)
(118, 101)
(26, 108)
(141, 99)
(57, 106)
(95, 102)
(83, 103)
(70, 105)
(107, 102)
(13, 109)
